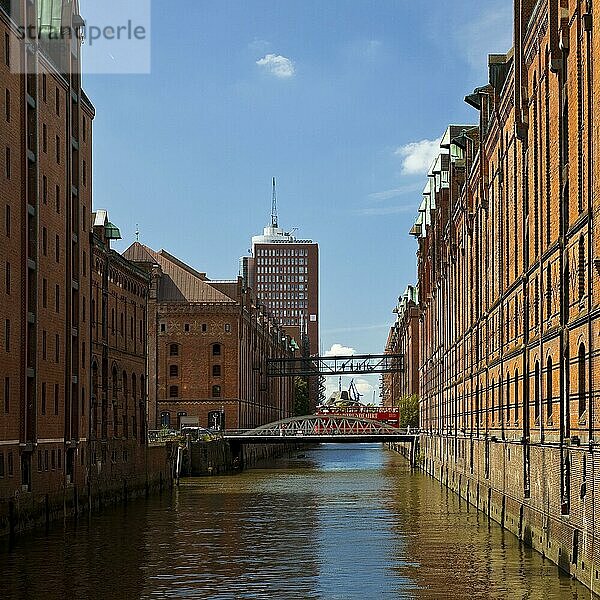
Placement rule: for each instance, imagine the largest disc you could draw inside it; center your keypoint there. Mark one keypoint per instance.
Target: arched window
(114, 401)
(125, 405)
(516, 397)
(216, 349)
(581, 268)
(537, 395)
(216, 391)
(549, 392)
(581, 379)
(508, 406)
(174, 350)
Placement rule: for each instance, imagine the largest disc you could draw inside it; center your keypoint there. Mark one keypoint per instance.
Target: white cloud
(277, 65)
(375, 211)
(400, 191)
(417, 157)
(339, 350)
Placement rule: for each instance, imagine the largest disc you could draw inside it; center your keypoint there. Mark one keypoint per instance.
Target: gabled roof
(179, 282)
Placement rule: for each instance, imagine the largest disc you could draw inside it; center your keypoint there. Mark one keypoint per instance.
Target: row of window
(174, 349)
(282, 287)
(287, 262)
(282, 252)
(174, 391)
(510, 406)
(54, 463)
(187, 327)
(174, 370)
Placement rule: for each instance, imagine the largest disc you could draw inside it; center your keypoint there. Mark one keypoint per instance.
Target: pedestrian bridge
(321, 429)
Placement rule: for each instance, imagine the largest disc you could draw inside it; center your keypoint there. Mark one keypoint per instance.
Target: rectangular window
(7, 335)
(216, 370)
(57, 298)
(45, 460)
(1, 464)
(57, 102)
(173, 370)
(43, 398)
(53, 459)
(44, 189)
(11, 467)
(44, 241)
(7, 220)
(58, 199)
(57, 248)
(6, 50)
(56, 404)
(44, 138)
(7, 395)
(40, 463)
(7, 278)
(56, 348)
(44, 87)
(8, 165)
(173, 391)
(45, 293)
(43, 345)
(57, 150)
(7, 106)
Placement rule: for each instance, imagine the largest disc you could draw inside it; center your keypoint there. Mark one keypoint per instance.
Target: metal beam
(356, 364)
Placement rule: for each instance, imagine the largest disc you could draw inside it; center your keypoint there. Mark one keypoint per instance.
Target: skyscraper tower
(284, 273)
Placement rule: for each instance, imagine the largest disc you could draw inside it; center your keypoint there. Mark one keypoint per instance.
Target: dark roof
(179, 282)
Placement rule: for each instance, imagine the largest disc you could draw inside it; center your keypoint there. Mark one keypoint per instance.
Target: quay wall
(489, 475)
(148, 471)
(220, 456)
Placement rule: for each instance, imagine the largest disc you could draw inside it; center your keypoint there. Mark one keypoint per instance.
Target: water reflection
(342, 522)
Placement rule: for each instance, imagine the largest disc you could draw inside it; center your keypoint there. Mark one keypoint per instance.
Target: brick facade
(46, 266)
(208, 345)
(509, 290)
(403, 339)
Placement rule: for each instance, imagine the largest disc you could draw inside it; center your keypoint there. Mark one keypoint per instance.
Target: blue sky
(326, 96)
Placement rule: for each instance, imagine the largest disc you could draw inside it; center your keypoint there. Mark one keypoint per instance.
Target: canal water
(334, 522)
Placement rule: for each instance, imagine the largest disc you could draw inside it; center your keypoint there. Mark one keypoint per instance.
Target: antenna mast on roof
(274, 207)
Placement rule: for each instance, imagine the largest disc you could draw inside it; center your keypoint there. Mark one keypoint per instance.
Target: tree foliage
(300, 396)
(409, 410)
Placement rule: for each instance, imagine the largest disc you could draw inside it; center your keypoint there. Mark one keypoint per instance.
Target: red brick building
(45, 186)
(509, 290)
(207, 349)
(403, 339)
(118, 367)
(47, 267)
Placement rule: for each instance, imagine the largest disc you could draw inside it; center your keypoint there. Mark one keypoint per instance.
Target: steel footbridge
(321, 429)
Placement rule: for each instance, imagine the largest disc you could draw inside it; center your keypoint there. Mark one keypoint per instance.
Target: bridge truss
(357, 364)
(321, 429)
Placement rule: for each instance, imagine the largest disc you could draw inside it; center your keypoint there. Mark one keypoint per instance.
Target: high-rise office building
(283, 271)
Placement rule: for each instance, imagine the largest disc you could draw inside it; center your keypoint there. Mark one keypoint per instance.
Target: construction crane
(353, 392)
